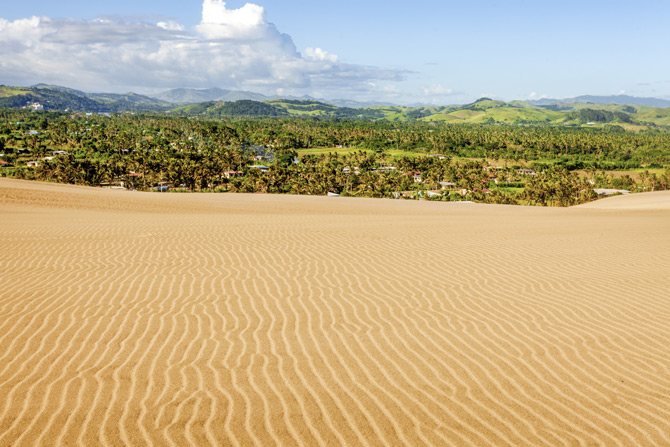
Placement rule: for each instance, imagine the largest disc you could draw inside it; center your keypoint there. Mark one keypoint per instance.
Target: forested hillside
(61, 99)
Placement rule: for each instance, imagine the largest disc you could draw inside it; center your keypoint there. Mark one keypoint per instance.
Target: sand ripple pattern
(131, 319)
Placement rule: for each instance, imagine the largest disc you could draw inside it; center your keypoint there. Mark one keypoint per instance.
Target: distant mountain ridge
(194, 96)
(614, 99)
(181, 96)
(607, 114)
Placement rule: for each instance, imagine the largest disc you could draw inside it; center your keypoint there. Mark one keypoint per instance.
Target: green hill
(487, 111)
(242, 108)
(62, 98)
(315, 109)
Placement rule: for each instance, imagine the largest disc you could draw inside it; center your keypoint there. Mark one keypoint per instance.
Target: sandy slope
(172, 320)
(651, 201)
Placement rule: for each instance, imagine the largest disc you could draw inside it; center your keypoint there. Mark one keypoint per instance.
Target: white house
(609, 192)
(260, 167)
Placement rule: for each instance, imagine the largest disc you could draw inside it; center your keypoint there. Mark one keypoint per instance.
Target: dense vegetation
(374, 159)
(600, 116)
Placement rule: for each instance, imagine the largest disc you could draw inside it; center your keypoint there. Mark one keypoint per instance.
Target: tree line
(194, 154)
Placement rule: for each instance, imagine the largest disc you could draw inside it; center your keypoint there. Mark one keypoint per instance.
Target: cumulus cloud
(220, 22)
(230, 48)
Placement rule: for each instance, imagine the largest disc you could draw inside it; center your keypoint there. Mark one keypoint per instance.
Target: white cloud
(622, 92)
(220, 22)
(437, 90)
(317, 54)
(230, 48)
(170, 26)
(534, 96)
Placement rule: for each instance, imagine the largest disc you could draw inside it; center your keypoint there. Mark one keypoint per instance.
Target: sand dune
(137, 319)
(658, 200)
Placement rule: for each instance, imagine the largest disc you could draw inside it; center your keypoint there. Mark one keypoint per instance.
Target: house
(385, 169)
(232, 174)
(609, 192)
(258, 153)
(526, 172)
(260, 167)
(447, 185)
(433, 193)
(3, 163)
(417, 177)
(405, 194)
(32, 164)
(112, 185)
(59, 152)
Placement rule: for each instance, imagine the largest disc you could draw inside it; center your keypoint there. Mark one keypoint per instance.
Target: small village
(356, 159)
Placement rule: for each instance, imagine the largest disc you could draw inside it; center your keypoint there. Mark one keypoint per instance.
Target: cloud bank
(230, 48)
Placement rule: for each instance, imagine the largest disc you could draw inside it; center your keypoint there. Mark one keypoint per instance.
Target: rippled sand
(137, 319)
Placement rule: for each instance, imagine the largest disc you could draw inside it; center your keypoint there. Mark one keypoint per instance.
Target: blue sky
(439, 52)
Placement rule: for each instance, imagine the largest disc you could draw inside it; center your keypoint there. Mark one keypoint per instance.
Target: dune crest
(649, 201)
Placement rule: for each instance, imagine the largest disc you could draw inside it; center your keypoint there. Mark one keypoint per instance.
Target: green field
(8, 92)
(633, 173)
(351, 150)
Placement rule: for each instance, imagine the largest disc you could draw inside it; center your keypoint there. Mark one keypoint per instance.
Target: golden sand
(139, 319)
